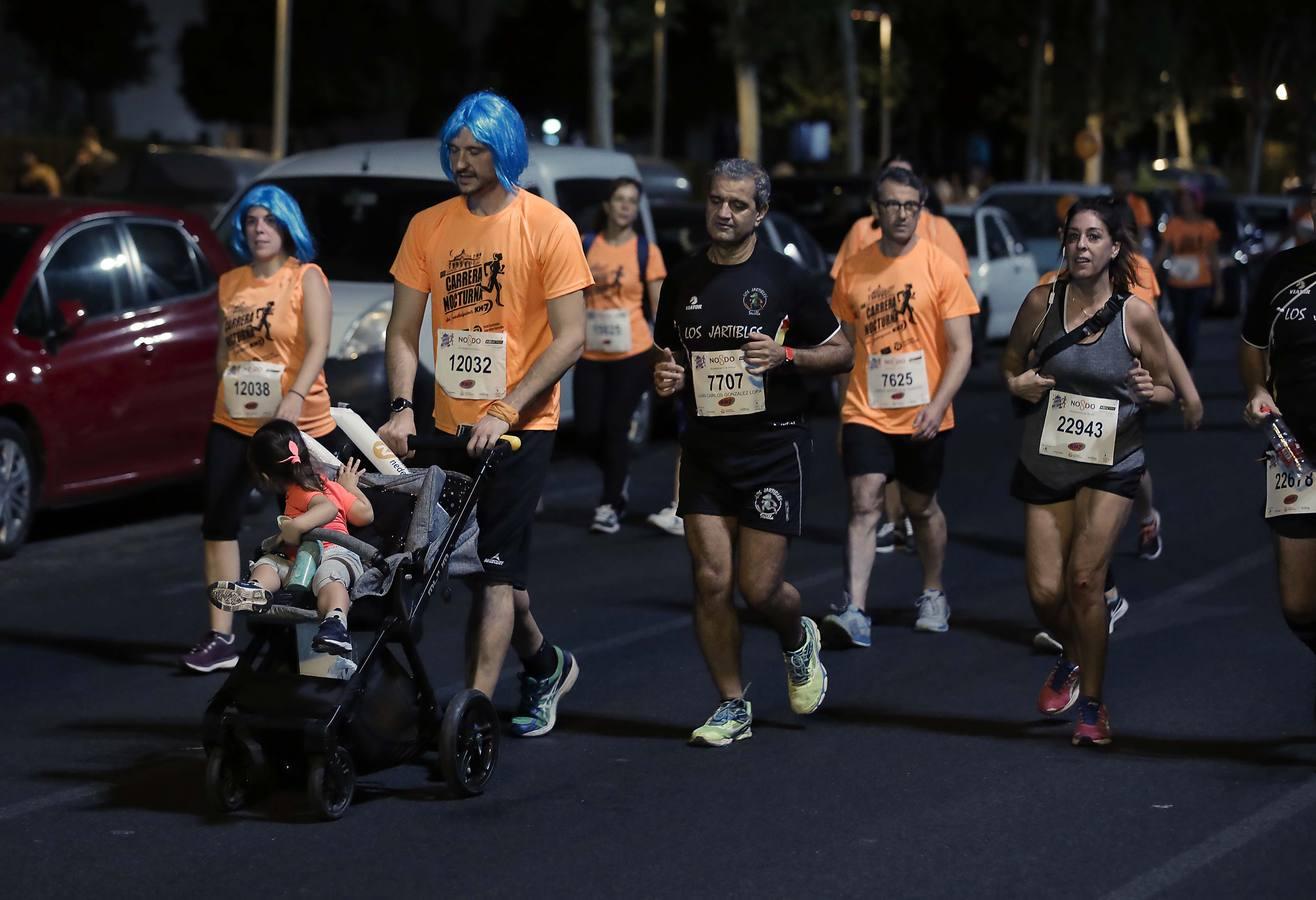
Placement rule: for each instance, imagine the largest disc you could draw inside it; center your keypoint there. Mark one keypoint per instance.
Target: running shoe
(886, 538)
(806, 679)
(933, 612)
(1117, 609)
(1044, 642)
(213, 652)
(537, 712)
(849, 628)
(906, 540)
(1060, 691)
(1149, 537)
(605, 520)
(332, 638)
(668, 521)
(1093, 725)
(729, 722)
(239, 596)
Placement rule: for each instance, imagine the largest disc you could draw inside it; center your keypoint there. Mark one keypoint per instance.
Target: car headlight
(367, 333)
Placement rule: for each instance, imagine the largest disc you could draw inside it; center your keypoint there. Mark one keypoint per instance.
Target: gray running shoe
(886, 538)
(1117, 608)
(849, 628)
(933, 612)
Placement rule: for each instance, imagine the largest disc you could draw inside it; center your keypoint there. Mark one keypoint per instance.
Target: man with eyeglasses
(905, 306)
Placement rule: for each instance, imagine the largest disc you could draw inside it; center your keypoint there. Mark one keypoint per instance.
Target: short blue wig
(494, 122)
(285, 211)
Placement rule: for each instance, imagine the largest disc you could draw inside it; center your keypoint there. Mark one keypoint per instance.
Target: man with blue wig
(506, 274)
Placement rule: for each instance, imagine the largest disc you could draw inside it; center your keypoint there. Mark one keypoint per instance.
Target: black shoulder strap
(641, 254)
(1102, 319)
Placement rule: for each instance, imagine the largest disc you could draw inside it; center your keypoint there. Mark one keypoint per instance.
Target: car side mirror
(71, 315)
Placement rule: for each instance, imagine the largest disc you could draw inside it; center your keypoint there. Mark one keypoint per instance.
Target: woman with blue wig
(274, 313)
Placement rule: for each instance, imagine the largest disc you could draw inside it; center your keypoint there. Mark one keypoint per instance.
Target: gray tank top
(1098, 369)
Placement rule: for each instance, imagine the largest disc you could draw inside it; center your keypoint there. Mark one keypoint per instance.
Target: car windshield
(1036, 215)
(968, 235)
(15, 241)
(358, 222)
(582, 199)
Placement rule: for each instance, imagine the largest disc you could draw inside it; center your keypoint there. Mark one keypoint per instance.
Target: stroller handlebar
(452, 441)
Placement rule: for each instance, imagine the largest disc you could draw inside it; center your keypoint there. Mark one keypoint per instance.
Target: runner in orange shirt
(274, 315)
(507, 275)
(613, 372)
(905, 305)
(897, 531)
(1191, 246)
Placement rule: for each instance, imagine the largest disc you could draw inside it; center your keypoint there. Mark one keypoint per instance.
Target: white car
(1035, 209)
(358, 200)
(1001, 270)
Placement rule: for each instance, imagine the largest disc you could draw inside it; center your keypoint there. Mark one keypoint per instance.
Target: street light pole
(282, 71)
(659, 74)
(884, 40)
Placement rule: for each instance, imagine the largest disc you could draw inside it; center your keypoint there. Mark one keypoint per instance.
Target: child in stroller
(281, 463)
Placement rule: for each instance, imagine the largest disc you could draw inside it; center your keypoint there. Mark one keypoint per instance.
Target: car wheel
(18, 486)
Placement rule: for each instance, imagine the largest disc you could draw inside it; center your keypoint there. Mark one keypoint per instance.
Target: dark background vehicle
(107, 337)
(196, 179)
(826, 205)
(1242, 248)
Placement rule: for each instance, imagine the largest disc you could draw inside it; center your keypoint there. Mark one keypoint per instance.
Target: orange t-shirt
(494, 273)
(899, 306)
(1142, 216)
(865, 233)
(1188, 244)
(1144, 287)
(263, 323)
(618, 285)
(297, 500)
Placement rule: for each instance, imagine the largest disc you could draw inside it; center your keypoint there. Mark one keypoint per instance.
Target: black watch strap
(401, 403)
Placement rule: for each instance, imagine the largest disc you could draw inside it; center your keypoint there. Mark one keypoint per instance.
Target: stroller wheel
(468, 743)
(330, 783)
(229, 777)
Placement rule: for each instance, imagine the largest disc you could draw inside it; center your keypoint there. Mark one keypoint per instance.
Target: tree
(600, 75)
(99, 45)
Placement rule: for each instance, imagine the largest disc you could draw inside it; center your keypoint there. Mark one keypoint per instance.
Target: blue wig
(495, 123)
(297, 240)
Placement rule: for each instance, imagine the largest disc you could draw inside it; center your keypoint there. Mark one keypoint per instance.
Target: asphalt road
(926, 773)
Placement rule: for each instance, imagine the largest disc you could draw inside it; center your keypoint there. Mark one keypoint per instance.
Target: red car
(108, 328)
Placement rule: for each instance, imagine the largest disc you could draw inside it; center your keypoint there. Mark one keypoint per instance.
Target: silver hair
(742, 170)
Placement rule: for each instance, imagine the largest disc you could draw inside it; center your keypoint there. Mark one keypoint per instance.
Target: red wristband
(790, 354)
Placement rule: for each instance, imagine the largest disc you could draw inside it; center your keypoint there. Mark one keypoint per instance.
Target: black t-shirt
(707, 307)
(1281, 318)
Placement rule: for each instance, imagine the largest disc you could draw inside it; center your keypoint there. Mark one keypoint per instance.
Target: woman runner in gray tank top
(1081, 456)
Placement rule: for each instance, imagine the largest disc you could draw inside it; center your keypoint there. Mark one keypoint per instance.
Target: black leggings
(606, 394)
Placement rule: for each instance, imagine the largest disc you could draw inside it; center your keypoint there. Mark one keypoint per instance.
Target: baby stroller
(270, 721)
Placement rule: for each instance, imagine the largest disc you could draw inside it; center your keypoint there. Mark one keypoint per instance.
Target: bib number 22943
(1080, 428)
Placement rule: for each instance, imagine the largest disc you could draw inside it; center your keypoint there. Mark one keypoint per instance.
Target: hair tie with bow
(294, 456)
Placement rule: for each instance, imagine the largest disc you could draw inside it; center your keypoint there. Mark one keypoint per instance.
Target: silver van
(358, 200)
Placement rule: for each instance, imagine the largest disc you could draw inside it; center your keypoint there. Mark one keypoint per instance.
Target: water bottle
(303, 568)
(1289, 455)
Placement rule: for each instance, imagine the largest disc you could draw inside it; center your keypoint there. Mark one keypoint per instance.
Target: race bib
(723, 386)
(608, 330)
(1286, 494)
(472, 365)
(897, 380)
(253, 390)
(1185, 268)
(1080, 428)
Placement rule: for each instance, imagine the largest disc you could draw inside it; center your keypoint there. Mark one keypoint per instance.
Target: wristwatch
(399, 404)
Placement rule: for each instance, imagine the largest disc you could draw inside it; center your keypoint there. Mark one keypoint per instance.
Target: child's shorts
(336, 564)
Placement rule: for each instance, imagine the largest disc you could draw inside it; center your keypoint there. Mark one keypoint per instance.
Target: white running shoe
(668, 521)
(933, 612)
(605, 520)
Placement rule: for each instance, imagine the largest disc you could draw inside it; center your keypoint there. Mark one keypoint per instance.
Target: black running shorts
(915, 464)
(1026, 486)
(506, 508)
(755, 477)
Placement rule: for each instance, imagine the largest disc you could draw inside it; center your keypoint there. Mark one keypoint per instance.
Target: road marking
(59, 798)
(1218, 845)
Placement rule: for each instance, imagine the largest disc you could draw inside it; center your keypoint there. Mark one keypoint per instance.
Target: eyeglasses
(894, 206)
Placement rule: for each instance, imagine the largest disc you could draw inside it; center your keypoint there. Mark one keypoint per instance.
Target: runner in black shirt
(736, 325)
(1279, 337)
